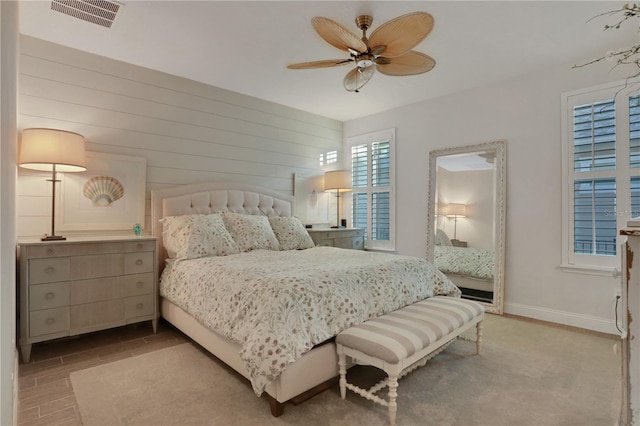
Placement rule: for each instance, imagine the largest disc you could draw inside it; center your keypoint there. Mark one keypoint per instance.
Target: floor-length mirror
(466, 219)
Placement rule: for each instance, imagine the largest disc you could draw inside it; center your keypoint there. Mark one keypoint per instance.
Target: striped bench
(405, 339)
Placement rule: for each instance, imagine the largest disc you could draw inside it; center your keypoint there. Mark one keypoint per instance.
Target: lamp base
(53, 238)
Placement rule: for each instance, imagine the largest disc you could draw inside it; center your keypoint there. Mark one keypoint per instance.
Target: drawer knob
(50, 295)
(139, 284)
(139, 262)
(50, 269)
(50, 321)
(140, 246)
(49, 252)
(139, 306)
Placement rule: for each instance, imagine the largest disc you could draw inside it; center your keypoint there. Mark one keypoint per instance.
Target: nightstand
(349, 238)
(84, 284)
(458, 243)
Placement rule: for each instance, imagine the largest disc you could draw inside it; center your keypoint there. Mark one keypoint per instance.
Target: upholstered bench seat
(405, 339)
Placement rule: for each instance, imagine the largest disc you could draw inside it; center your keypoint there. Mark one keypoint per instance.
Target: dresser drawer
(80, 249)
(98, 314)
(347, 243)
(138, 306)
(138, 284)
(347, 238)
(48, 321)
(46, 296)
(324, 243)
(49, 270)
(95, 290)
(135, 263)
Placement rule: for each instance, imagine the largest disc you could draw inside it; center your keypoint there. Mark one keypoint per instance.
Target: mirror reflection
(466, 199)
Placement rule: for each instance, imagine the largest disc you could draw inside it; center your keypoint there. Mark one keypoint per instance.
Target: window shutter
(634, 132)
(359, 169)
(595, 221)
(594, 136)
(372, 198)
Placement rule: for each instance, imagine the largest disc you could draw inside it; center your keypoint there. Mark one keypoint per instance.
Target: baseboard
(602, 325)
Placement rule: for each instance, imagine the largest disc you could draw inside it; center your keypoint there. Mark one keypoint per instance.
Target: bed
(223, 301)
(468, 267)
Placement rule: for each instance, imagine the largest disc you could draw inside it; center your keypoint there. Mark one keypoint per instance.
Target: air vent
(100, 12)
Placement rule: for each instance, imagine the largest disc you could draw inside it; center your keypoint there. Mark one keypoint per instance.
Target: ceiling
(245, 46)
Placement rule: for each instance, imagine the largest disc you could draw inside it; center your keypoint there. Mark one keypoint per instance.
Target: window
(601, 160)
(372, 200)
(331, 156)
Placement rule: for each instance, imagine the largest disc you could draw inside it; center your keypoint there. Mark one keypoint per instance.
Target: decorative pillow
(290, 233)
(250, 232)
(197, 235)
(442, 239)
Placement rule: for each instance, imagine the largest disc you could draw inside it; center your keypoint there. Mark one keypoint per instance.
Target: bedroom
(524, 110)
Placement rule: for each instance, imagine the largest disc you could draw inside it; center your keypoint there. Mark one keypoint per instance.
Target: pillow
(290, 233)
(250, 232)
(442, 239)
(197, 235)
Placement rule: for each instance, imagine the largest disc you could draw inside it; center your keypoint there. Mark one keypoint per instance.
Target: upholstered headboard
(212, 197)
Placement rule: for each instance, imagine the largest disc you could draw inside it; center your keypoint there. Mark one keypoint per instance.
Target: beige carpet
(528, 374)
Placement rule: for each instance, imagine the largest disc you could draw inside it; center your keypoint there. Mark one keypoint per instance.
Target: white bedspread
(467, 261)
(278, 305)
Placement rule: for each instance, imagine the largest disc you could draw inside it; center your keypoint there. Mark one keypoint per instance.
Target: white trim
(603, 271)
(594, 264)
(588, 322)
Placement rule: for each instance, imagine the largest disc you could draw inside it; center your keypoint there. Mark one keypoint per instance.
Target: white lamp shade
(337, 180)
(456, 210)
(41, 149)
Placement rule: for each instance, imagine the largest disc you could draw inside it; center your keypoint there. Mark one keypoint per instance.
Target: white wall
(8, 135)
(526, 112)
(475, 189)
(187, 131)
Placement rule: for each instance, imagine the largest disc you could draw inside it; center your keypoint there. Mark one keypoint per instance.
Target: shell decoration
(103, 190)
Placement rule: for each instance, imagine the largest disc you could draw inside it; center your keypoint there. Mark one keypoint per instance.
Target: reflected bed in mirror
(466, 219)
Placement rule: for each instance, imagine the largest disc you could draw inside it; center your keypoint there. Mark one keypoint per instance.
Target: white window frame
(620, 91)
(369, 139)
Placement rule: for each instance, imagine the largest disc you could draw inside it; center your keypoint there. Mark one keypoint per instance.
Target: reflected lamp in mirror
(337, 180)
(456, 210)
(52, 151)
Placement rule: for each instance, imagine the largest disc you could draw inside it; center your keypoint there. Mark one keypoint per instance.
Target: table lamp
(337, 180)
(52, 151)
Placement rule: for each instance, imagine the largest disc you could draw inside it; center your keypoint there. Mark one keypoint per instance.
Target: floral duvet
(278, 304)
(467, 261)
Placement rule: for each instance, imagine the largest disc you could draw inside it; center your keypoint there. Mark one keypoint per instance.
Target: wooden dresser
(630, 313)
(84, 284)
(349, 238)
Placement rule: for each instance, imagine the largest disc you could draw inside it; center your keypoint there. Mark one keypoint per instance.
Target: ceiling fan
(387, 50)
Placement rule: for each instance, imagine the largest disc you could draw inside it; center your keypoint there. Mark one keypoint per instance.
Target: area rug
(528, 374)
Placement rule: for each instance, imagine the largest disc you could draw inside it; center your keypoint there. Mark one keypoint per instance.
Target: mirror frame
(500, 147)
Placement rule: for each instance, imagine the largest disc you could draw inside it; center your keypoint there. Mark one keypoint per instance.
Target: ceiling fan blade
(410, 63)
(358, 77)
(337, 35)
(319, 64)
(402, 34)
(378, 50)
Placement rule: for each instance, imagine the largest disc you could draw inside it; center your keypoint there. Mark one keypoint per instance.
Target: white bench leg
(393, 395)
(342, 369)
(479, 337)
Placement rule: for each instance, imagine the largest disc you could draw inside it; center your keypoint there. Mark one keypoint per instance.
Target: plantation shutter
(594, 195)
(372, 199)
(360, 181)
(380, 165)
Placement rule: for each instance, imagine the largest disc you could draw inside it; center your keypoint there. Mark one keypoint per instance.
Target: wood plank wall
(187, 131)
